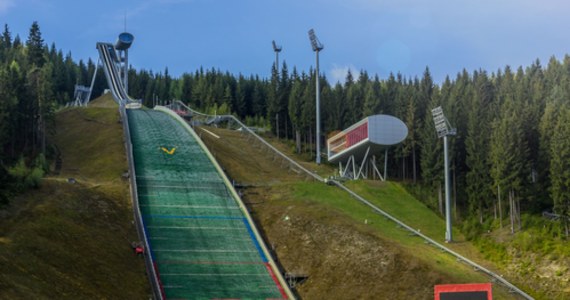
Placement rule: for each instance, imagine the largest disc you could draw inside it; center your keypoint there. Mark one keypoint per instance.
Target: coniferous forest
(511, 154)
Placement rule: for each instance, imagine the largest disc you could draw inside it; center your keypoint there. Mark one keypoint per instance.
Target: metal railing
(460, 257)
(110, 60)
(494, 276)
(149, 261)
(178, 104)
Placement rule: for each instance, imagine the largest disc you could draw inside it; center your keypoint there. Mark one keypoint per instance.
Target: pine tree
(228, 96)
(8, 101)
(296, 106)
(283, 100)
(431, 150)
(17, 43)
(7, 37)
(546, 128)
(273, 99)
(476, 145)
(308, 115)
(259, 103)
(35, 46)
(560, 168)
(371, 99)
(509, 156)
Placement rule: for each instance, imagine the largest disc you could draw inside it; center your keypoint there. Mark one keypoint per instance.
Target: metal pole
(93, 80)
(318, 114)
(126, 71)
(277, 61)
(386, 164)
(448, 232)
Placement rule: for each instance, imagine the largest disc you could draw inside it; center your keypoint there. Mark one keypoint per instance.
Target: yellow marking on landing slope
(171, 151)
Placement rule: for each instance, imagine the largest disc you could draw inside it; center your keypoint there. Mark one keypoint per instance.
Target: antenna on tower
(277, 49)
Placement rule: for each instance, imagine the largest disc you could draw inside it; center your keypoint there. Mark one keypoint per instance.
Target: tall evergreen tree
(7, 37)
(476, 146)
(35, 46)
(560, 168)
(296, 108)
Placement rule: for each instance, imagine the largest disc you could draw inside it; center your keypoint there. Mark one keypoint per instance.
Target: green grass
(72, 241)
(97, 150)
(395, 200)
(327, 201)
(69, 241)
(306, 159)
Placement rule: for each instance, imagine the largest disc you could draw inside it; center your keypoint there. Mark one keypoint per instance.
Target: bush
(19, 172)
(25, 177)
(34, 178)
(472, 228)
(493, 251)
(41, 163)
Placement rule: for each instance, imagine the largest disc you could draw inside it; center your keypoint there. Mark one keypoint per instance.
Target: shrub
(34, 178)
(25, 177)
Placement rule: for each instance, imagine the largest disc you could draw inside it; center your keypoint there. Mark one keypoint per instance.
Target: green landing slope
(202, 243)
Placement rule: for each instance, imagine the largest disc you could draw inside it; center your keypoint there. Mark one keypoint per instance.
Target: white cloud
(338, 73)
(5, 5)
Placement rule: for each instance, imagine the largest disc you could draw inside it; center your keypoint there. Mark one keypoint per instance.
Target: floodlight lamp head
(315, 43)
(442, 125)
(275, 47)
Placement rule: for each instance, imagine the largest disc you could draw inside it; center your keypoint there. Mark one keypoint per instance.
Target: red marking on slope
(159, 281)
(281, 290)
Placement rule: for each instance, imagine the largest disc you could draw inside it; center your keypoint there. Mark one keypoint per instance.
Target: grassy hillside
(535, 259)
(72, 240)
(347, 250)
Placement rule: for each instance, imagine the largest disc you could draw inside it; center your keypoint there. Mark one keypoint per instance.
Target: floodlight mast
(444, 129)
(317, 47)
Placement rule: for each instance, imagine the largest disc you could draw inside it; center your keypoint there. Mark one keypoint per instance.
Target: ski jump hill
(200, 240)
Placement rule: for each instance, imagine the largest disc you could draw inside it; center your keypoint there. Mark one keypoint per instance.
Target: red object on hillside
(470, 291)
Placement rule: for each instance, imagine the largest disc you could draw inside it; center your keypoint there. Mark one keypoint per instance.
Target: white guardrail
(494, 276)
(149, 262)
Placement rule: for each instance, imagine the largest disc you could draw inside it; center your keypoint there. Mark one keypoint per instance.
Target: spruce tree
(35, 46)
(560, 168)
(7, 37)
(296, 106)
(476, 145)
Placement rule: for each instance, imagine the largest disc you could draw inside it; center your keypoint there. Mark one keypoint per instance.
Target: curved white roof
(386, 130)
(376, 132)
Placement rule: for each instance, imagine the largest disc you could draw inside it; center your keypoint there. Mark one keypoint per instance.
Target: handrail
(149, 260)
(433, 242)
(378, 210)
(246, 128)
(112, 74)
(109, 71)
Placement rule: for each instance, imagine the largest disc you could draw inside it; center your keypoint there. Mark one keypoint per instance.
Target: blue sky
(380, 36)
